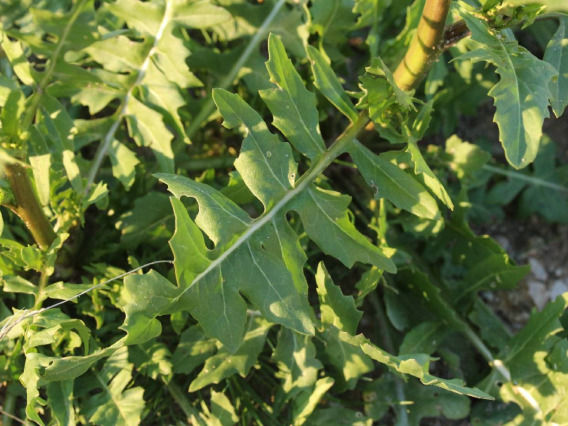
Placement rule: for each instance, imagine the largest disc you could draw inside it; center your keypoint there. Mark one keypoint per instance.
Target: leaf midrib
(338, 147)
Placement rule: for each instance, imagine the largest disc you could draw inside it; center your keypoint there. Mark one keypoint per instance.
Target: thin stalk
(529, 179)
(402, 415)
(36, 97)
(425, 46)
(198, 164)
(8, 409)
(28, 207)
(108, 138)
(180, 399)
(43, 279)
(209, 105)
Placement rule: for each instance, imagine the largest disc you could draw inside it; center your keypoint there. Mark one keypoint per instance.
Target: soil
(544, 247)
(534, 241)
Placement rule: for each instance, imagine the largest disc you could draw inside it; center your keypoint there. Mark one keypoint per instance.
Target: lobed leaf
(390, 182)
(413, 365)
(521, 95)
(295, 356)
(556, 54)
(327, 83)
(292, 105)
(248, 266)
(536, 358)
(338, 313)
(326, 220)
(114, 403)
(225, 363)
(336, 309)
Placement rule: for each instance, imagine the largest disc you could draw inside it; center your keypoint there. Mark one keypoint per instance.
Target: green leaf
(162, 70)
(390, 182)
(551, 5)
(222, 411)
(307, 402)
(114, 403)
(556, 54)
(338, 415)
(327, 83)
(466, 158)
(225, 364)
(192, 350)
(12, 108)
(30, 378)
(72, 169)
(295, 356)
(54, 34)
(60, 396)
(147, 129)
(521, 95)
(336, 308)
(199, 14)
(377, 82)
(41, 165)
(146, 296)
(494, 272)
(421, 168)
(413, 365)
(74, 366)
(338, 312)
(152, 359)
(213, 279)
(419, 401)
(291, 104)
(123, 163)
(150, 221)
(389, 107)
(265, 164)
(332, 20)
(348, 362)
(536, 358)
(424, 338)
(15, 53)
(326, 220)
(367, 284)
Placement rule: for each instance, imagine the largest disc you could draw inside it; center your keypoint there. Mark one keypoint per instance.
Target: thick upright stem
(28, 207)
(425, 46)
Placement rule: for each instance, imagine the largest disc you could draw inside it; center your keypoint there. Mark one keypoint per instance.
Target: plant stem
(402, 415)
(8, 408)
(183, 403)
(28, 207)
(40, 89)
(529, 179)
(425, 46)
(122, 111)
(209, 105)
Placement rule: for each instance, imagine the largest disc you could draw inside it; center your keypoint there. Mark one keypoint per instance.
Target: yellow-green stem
(425, 46)
(28, 207)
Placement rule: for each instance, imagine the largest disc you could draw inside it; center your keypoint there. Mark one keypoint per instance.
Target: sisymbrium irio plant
(321, 267)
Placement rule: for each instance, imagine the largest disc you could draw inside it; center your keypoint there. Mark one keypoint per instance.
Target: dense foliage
(306, 163)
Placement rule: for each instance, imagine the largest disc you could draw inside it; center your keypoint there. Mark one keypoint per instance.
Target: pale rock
(503, 242)
(538, 293)
(558, 287)
(538, 270)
